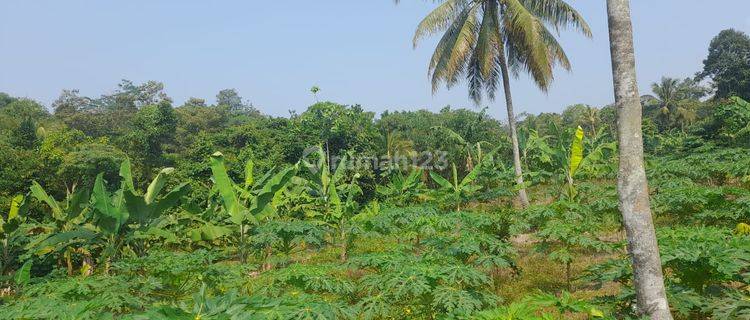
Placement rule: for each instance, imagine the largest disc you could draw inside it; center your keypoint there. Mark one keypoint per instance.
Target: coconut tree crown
(478, 34)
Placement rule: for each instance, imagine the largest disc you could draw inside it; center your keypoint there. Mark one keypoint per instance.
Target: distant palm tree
(485, 40)
(314, 90)
(667, 97)
(591, 118)
(673, 97)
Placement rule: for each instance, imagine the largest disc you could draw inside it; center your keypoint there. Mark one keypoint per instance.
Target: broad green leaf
(325, 173)
(111, 217)
(138, 210)
(576, 152)
(273, 185)
(471, 176)
(154, 232)
(38, 192)
(263, 179)
(226, 190)
(440, 180)
(413, 177)
(15, 207)
(249, 179)
(156, 185)
(23, 275)
(340, 170)
(126, 175)
(61, 240)
(170, 200)
(450, 133)
(77, 203)
(209, 232)
(455, 176)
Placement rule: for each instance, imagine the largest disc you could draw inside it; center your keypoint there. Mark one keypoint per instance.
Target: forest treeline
(75, 138)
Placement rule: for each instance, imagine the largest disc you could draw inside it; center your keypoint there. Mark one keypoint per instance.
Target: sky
(356, 51)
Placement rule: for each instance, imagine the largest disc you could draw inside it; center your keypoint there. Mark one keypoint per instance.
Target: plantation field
(322, 239)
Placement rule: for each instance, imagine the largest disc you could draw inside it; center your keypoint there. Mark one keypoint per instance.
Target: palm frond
(524, 34)
(451, 54)
(439, 19)
(483, 69)
(559, 14)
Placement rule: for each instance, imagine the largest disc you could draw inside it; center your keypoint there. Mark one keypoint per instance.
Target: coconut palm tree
(673, 97)
(632, 185)
(591, 118)
(485, 41)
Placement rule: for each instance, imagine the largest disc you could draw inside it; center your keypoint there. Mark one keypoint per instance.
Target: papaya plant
(563, 228)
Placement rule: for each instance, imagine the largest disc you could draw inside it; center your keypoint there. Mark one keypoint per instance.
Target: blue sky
(356, 51)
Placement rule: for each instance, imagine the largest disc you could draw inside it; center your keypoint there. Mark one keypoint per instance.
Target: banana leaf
(576, 152)
(225, 186)
(111, 213)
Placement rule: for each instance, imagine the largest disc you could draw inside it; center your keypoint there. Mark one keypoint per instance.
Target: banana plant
(402, 189)
(66, 212)
(576, 159)
(327, 189)
(122, 217)
(568, 157)
(474, 155)
(117, 218)
(458, 191)
(8, 227)
(67, 215)
(251, 202)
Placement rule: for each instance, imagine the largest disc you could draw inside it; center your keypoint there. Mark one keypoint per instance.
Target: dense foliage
(124, 206)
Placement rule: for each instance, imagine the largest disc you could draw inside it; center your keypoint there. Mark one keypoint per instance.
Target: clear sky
(356, 51)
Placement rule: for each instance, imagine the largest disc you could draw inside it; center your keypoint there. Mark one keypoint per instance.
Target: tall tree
(488, 40)
(728, 64)
(632, 185)
(232, 100)
(676, 100)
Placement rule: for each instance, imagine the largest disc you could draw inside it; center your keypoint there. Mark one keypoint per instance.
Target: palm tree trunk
(632, 185)
(513, 134)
